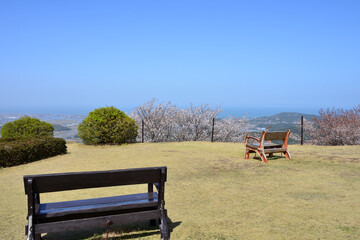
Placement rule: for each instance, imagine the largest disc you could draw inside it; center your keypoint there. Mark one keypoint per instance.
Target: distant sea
(249, 112)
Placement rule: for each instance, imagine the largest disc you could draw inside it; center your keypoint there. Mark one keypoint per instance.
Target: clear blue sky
(70, 56)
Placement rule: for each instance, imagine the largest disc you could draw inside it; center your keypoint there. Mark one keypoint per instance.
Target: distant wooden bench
(262, 147)
(87, 213)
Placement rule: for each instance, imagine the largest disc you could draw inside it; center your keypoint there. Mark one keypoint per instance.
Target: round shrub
(26, 127)
(107, 125)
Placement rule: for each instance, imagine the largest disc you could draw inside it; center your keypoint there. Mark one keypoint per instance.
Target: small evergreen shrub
(107, 125)
(16, 151)
(26, 127)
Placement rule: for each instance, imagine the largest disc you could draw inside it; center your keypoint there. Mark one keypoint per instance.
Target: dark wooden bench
(87, 213)
(264, 144)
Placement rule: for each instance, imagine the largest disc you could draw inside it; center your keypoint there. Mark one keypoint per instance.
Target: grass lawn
(212, 192)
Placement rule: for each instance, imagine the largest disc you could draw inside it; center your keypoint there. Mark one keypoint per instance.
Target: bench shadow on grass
(270, 158)
(124, 231)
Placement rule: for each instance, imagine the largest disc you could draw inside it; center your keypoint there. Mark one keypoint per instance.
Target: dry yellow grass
(212, 191)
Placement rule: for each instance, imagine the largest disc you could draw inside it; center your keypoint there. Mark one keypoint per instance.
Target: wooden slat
(275, 150)
(269, 136)
(96, 221)
(77, 203)
(97, 206)
(80, 180)
(140, 204)
(266, 145)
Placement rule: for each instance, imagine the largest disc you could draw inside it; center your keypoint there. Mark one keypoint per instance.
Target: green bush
(16, 151)
(26, 127)
(107, 125)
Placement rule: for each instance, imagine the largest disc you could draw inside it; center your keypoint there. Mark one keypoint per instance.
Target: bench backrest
(80, 180)
(269, 136)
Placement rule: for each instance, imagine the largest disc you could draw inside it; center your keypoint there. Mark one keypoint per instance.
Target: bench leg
(287, 155)
(34, 236)
(247, 153)
(262, 156)
(163, 226)
(31, 230)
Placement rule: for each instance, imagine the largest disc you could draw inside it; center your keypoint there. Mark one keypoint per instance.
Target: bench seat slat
(59, 209)
(123, 198)
(275, 150)
(266, 145)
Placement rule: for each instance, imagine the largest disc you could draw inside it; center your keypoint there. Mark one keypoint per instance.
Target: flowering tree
(164, 122)
(336, 127)
(230, 129)
(199, 121)
(158, 120)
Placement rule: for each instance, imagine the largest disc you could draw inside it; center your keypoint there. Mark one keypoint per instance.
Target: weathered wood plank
(275, 150)
(81, 180)
(275, 136)
(266, 145)
(94, 201)
(97, 207)
(79, 224)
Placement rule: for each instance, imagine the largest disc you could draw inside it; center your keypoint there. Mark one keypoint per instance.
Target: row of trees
(165, 122)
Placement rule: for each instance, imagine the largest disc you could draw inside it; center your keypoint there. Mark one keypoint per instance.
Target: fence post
(302, 130)
(142, 131)
(212, 131)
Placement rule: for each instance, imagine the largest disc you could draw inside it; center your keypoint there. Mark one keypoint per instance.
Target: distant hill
(284, 117)
(58, 127)
(280, 122)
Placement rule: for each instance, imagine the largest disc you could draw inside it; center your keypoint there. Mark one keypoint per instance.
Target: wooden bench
(262, 147)
(87, 213)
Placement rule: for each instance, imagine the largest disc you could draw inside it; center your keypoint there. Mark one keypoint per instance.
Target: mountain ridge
(283, 117)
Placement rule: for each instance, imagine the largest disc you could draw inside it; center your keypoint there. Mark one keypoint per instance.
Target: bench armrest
(249, 137)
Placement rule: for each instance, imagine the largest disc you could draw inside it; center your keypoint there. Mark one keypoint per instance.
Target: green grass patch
(212, 192)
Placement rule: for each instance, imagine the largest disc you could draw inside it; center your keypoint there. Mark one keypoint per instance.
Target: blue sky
(74, 56)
